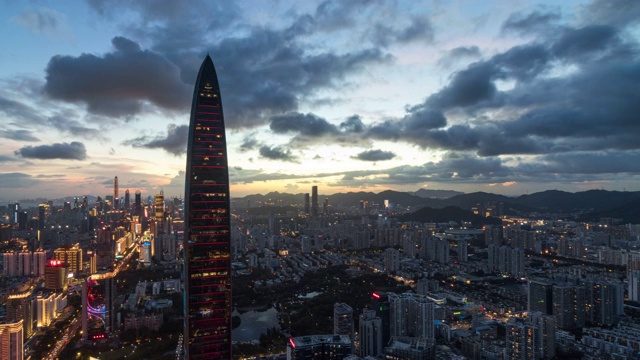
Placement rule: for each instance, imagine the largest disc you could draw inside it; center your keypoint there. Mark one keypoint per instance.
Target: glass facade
(207, 237)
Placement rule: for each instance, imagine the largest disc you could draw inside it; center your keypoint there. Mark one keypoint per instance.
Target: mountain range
(589, 205)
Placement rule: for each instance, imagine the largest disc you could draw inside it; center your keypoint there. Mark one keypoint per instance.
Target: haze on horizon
(494, 96)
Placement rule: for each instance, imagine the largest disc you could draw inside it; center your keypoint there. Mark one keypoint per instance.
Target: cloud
(174, 142)
(16, 180)
(18, 135)
(68, 151)
(536, 22)
(118, 83)
(375, 155)
(618, 13)
(277, 153)
(43, 21)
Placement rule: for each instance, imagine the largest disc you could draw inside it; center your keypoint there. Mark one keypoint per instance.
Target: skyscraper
(207, 320)
(116, 199)
(314, 201)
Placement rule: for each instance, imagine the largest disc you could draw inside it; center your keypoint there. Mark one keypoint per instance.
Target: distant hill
(551, 201)
(436, 194)
(566, 202)
(627, 213)
(449, 213)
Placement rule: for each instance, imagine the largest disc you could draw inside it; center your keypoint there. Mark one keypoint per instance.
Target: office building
(12, 340)
(319, 347)
(370, 334)
(306, 204)
(343, 320)
(540, 296)
(634, 286)
(116, 194)
(381, 305)
(71, 255)
(314, 201)
(207, 248)
(55, 275)
(19, 306)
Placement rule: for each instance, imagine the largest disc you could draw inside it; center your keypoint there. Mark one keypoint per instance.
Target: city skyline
(495, 96)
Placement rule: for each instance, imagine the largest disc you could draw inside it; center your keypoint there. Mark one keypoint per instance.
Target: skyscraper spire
(207, 261)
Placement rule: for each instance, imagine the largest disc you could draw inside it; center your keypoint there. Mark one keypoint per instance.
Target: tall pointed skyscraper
(207, 321)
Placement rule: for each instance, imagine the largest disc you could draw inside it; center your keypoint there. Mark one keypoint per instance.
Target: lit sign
(376, 295)
(293, 345)
(55, 263)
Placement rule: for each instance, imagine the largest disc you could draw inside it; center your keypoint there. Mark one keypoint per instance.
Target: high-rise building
(207, 248)
(370, 333)
(71, 256)
(343, 320)
(634, 285)
(521, 339)
(412, 315)
(545, 345)
(55, 275)
(314, 201)
(12, 340)
(39, 262)
(19, 306)
(127, 200)
(391, 260)
(569, 306)
(116, 196)
(540, 295)
(14, 209)
(306, 203)
(381, 305)
(138, 203)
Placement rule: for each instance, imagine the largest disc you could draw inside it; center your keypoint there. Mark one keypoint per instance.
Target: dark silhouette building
(207, 320)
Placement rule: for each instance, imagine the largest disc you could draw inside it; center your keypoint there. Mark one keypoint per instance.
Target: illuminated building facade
(207, 272)
(55, 275)
(116, 195)
(19, 306)
(70, 255)
(11, 340)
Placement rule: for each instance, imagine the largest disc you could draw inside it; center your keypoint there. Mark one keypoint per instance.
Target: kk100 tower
(207, 262)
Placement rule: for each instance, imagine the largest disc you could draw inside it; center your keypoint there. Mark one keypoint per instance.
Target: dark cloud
(388, 33)
(118, 83)
(586, 40)
(65, 123)
(375, 155)
(19, 111)
(618, 13)
(18, 135)
(353, 124)
(249, 143)
(461, 53)
(306, 124)
(174, 142)
(535, 22)
(68, 151)
(16, 180)
(277, 153)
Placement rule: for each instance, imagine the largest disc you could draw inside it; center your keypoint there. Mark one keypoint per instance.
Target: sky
(509, 97)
